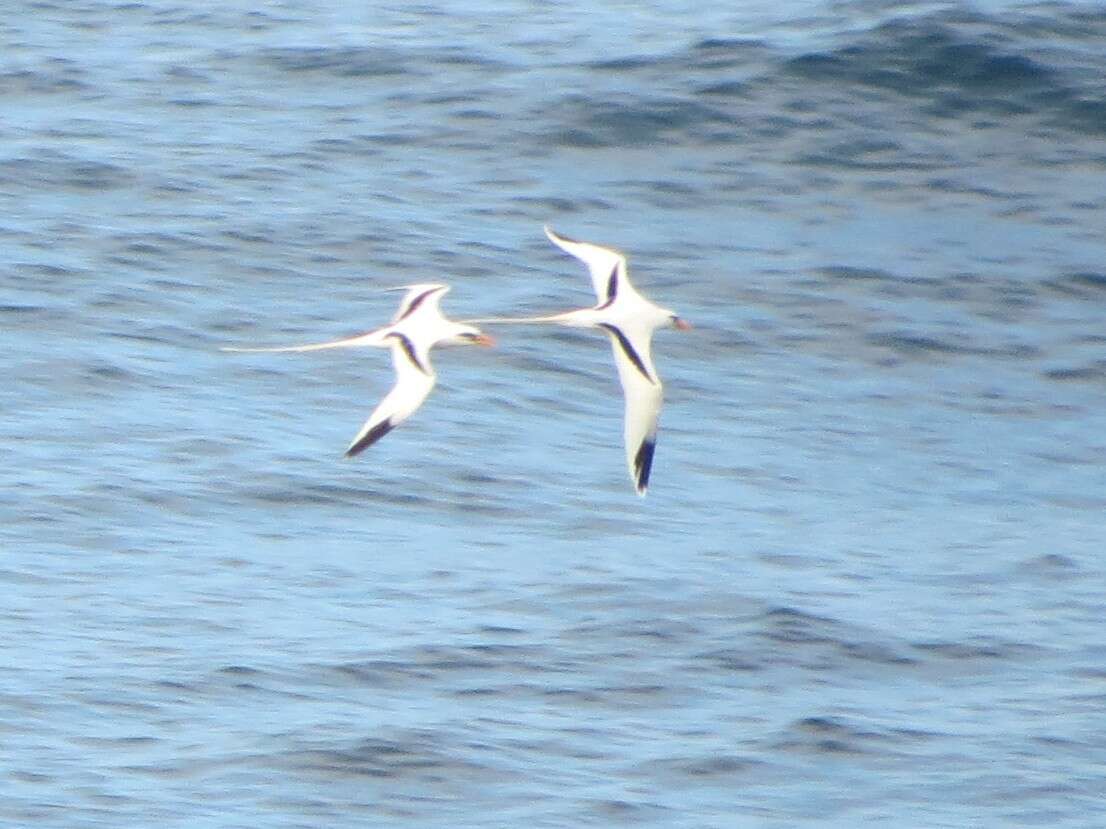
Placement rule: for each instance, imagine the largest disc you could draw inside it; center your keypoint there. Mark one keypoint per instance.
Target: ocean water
(867, 585)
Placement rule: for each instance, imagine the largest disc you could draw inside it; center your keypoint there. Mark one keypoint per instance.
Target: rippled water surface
(867, 583)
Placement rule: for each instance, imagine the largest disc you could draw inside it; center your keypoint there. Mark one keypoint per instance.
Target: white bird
(629, 319)
(417, 327)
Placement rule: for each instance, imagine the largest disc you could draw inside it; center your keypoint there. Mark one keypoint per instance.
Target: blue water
(867, 585)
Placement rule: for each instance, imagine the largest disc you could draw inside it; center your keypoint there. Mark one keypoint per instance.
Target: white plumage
(417, 327)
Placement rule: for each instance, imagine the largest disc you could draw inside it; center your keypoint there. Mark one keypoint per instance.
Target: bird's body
(417, 327)
(629, 320)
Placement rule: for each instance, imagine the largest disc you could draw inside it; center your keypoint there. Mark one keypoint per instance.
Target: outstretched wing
(414, 380)
(418, 296)
(606, 265)
(643, 393)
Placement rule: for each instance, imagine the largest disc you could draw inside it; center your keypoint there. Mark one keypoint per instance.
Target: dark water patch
(1096, 673)
(1082, 284)
(16, 577)
(176, 687)
(916, 345)
(474, 114)
(483, 505)
(789, 626)
(550, 205)
(301, 493)
(822, 736)
(500, 630)
(60, 78)
(627, 64)
(624, 811)
(46, 269)
(708, 55)
(1082, 114)
(591, 123)
(454, 56)
(617, 697)
(868, 154)
(1049, 567)
(112, 743)
(661, 629)
(837, 736)
(1092, 373)
(439, 663)
(423, 756)
(256, 237)
(957, 63)
(808, 641)
(341, 61)
(101, 371)
(146, 337)
(950, 185)
(474, 692)
(849, 273)
(143, 248)
(118, 703)
(976, 651)
(923, 57)
(189, 74)
(360, 146)
(725, 766)
(730, 660)
(23, 310)
(875, 652)
(723, 53)
(574, 696)
(93, 175)
(193, 103)
(36, 778)
(363, 62)
(727, 89)
(376, 673)
(57, 170)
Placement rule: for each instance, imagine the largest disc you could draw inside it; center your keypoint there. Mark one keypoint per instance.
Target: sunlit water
(867, 583)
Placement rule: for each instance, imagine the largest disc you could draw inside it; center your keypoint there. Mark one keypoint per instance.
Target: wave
(1014, 69)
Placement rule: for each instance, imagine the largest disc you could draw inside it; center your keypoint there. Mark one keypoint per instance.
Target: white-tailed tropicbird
(629, 319)
(417, 327)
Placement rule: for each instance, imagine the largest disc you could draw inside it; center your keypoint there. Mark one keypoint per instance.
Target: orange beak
(682, 324)
(484, 340)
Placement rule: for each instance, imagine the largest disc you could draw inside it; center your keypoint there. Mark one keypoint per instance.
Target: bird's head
(469, 335)
(678, 322)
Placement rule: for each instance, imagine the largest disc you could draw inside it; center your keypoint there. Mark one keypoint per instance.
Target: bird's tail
(371, 338)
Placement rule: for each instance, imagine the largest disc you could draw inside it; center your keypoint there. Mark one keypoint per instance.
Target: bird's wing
(418, 296)
(414, 380)
(606, 265)
(643, 393)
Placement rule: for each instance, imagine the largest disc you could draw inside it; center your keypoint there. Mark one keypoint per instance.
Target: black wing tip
(369, 438)
(643, 465)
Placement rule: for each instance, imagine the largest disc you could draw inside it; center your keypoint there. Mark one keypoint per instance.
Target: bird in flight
(629, 320)
(417, 327)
